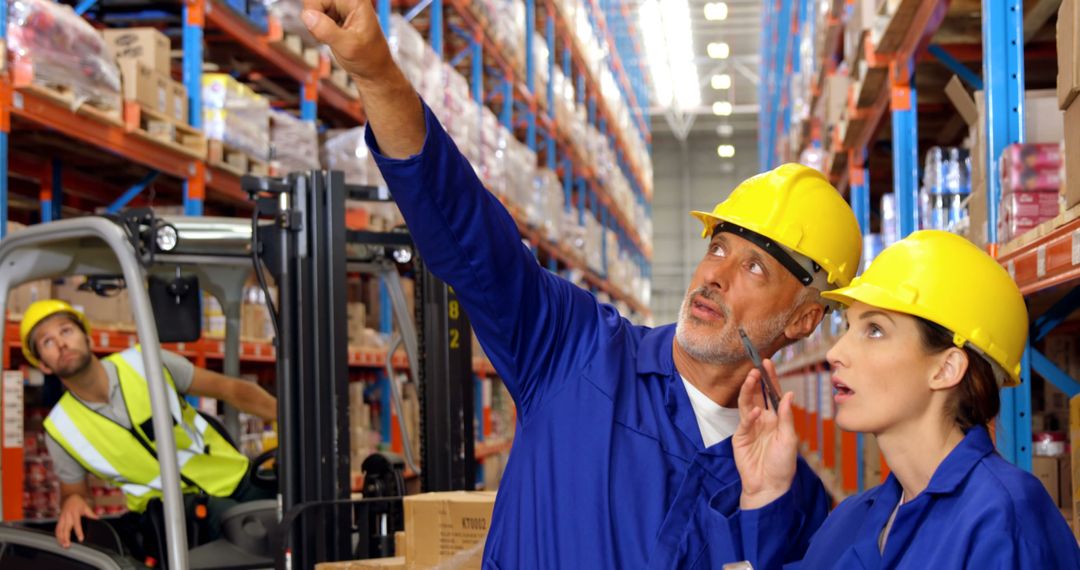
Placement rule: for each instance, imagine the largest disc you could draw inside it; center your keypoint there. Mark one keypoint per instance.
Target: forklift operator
(102, 424)
(623, 431)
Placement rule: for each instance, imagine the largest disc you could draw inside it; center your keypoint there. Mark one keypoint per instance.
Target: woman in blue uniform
(935, 328)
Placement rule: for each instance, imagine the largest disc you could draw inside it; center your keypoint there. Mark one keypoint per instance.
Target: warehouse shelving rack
(214, 22)
(319, 98)
(1048, 264)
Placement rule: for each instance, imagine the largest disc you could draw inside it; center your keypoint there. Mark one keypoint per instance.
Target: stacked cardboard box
(447, 528)
(1068, 85)
(146, 67)
(109, 312)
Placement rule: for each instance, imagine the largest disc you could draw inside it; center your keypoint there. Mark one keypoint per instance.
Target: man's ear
(805, 320)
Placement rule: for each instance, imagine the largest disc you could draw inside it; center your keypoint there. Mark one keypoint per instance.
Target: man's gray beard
(724, 347)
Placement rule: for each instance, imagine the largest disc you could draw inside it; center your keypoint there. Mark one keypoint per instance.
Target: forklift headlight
(166, 238)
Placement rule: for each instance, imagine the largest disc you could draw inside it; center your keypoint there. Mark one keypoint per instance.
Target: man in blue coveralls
(623, 434)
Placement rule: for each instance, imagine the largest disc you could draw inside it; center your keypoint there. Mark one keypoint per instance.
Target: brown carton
(442, 526)
(1071, 189)
(397, 563)
(144, 85)
(146, 45)
(1068, 78)
(1074, 440)
(178, 102)
(1047, 471)
(20, 298)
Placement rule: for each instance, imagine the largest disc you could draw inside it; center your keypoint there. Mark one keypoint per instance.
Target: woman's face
(881, 372)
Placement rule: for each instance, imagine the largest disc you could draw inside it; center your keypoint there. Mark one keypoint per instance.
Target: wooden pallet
(340, 79)
(234, 161)
(869, 87)
(65, 96)
(164, 130)
(1027, 238)
(900, 21)
(293, 46)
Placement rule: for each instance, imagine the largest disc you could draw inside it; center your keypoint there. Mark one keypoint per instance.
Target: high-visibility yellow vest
(128, 457)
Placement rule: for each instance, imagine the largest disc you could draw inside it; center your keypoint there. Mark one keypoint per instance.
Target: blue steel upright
(194, 14)
(905, 151)
(1003, 77)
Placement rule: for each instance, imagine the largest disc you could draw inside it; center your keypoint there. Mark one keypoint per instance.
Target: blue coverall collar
(954, 470)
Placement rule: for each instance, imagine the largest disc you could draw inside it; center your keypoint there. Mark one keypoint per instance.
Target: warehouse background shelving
(58, 161)
(905, 52)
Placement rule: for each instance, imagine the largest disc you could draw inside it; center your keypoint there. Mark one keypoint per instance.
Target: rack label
(1012, 269)
(1076, 248)
(1040, 261)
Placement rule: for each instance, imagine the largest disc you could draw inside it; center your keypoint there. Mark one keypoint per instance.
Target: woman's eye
(874, 331)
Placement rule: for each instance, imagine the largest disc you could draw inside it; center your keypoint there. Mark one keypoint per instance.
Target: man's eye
(756, 268)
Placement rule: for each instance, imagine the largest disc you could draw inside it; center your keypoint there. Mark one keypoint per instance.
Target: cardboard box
(1065, 483)
(397, 563)
(1071, 188)
(178, 102)
(1042, 117)
(1046, 470)
(442, 526)
(109, 311)
(1074, 461)
(399, 543)
(20, 298)
(146, 45)
(1068, 78)
(357, 322)
(144, 85)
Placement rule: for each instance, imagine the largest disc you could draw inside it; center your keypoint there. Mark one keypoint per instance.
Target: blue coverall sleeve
(779, 533)
(535, 327)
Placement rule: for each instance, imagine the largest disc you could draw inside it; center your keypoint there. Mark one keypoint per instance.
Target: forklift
(296, 235)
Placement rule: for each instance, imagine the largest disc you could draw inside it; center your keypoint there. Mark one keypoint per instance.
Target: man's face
(62, 346)
(737, 283)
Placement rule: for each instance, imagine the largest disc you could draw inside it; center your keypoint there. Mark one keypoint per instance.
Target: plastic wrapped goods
(295, 142)
(236, 115)
(346, 151)
(60, 48)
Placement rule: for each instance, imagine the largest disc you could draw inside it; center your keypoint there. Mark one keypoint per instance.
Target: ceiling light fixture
(721, 108)
(716, 11)
(721, 81)
(725, 151)
(719, 50)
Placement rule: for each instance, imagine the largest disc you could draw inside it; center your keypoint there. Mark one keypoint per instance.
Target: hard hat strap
(772, 248)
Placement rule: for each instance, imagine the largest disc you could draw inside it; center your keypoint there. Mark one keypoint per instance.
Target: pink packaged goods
(1023, 179)
(1043, 205)
(1039, 156)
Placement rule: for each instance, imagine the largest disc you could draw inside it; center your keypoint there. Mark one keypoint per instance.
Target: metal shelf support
(905, 147)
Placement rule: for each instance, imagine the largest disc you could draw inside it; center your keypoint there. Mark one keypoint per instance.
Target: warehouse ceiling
(741, 30)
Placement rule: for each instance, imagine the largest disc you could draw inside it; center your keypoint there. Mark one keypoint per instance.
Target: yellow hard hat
(38, 312)
(796, 207)
(947, 280)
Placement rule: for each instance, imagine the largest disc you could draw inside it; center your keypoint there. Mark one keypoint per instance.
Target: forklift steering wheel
(265, 477)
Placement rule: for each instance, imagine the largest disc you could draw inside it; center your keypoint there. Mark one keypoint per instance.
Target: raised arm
(537, 329)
